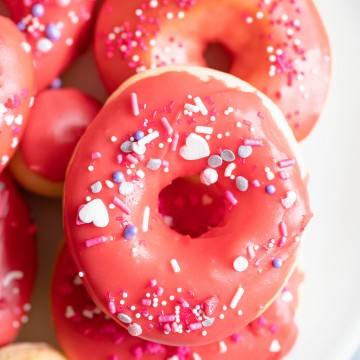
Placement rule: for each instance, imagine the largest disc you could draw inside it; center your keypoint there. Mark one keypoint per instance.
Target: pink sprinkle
(119, 158)
(146, 302)
(195, 326)
(111, 307)
(183, 302)
(165, 163)
(120, 204)
(166, 125)
(284, 175)
(257, 262)
(250, 251)
(153, 282)
(135, 104)
(159, 291)
(167, 327)
(230, 197)
(256, 183)
(95, 241)
(95, 155)
(283, 229)
(166, 318)
(286, 163)
(175, 327)
(131, 158)
(253, 142)
(175, 140)
(247, 123)
(282, 241)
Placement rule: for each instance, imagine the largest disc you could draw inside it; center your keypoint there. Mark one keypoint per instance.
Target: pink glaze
(280, 47)
(55, 29)
(17, 260)
(16, 88)
(85, 332)
(127, 257)
(56, 123)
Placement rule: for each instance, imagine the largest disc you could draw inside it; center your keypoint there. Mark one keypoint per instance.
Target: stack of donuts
(169, 131)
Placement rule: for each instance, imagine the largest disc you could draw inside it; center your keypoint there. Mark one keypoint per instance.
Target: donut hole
(218, 56)
(190, 207)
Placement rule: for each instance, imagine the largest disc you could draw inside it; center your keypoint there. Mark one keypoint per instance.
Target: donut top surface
(16, 87)
(280, 47)
(164, 125)
(17, 260)
(85, 332)
(56, 30)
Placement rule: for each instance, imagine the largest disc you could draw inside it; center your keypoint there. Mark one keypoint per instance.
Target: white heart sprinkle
(196, 148)
(94, 212)
(275, 346)
(290, 199)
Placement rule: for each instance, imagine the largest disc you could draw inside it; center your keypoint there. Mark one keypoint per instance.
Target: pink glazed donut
(17, 260)
(84, 332)
(167, 124)
(280, 47)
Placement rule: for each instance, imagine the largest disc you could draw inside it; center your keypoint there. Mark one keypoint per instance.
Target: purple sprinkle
(270, 189)
(139, 135)
(56, 84)
(277, 263)
(130, 231)
(53, 32)
(21, 26)
(38, 10)
(118, 177)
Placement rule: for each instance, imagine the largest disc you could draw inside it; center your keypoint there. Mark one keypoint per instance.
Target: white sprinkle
(44, 45)
(69, 312)
(109, 184)
(209, 176)
(275, 346)
(11, 276)
(229, 169)
(140, 173)
(240, 263)
(94, 212)
(204, 130)
(200, 105)
(134, 104)
(96, 187)
(146, 216)
(148, 138)
(196, 148)
(124, 318)
(222, 347)
(126, 188)
(235, 300)
(192, 108)
(26, 46)
(287, 296)
(175, 266)
(290, 200)
(134, 329)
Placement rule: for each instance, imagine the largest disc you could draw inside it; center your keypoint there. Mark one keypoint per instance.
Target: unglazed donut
(56, 122)
(16, 87)
(84, 332)
(170, 123)
(56, 31)
(29, 351)
(17, 260)
(280, 47)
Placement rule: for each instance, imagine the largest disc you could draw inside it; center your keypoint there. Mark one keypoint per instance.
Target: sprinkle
(146, 302)
(175, 266)
(208, 322)
(146, 216)
(134, 104)
(126, 188)
(270, 189)
(11, 276)
(53, 32)
(134, 329)
(284, 175)
(277, 263)
(118, 177)
(166, 318)
(120, 204)
(235, 300)
(111, 307)
(196, 148)
(227, 155)
(283, 228)
(290, 199)
(195, 326)
(209, 176)
(244, 151)
(199, 103)
(230, 197)
(154, 164)
(240, 264)
(95, 155)
(126, 319)
(175, 141)
(250, 251)
(148, 138)
(132, 159)
(204, 130)
(44, 45)
(94, 212)
(165, 123)
(38, 10)
(139, 135)
(138, 149)
(210, 305)
(130, 231)
(229, 169)
(253, 142)
(222, 347)
(215, 161)
(192, 108)
(109, 184)
(96, 187)
(126, 146)
(95, 241)
(275, 346)
(241, 183)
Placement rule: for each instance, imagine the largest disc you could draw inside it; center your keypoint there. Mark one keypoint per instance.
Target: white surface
(329, 314)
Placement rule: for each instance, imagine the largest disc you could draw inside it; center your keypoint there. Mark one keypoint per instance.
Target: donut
(17, 260)
(84, 332)
(56, 30)
(16, 87)
(280, 47)
(30, 351)
(56, 122)
(179, 122)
